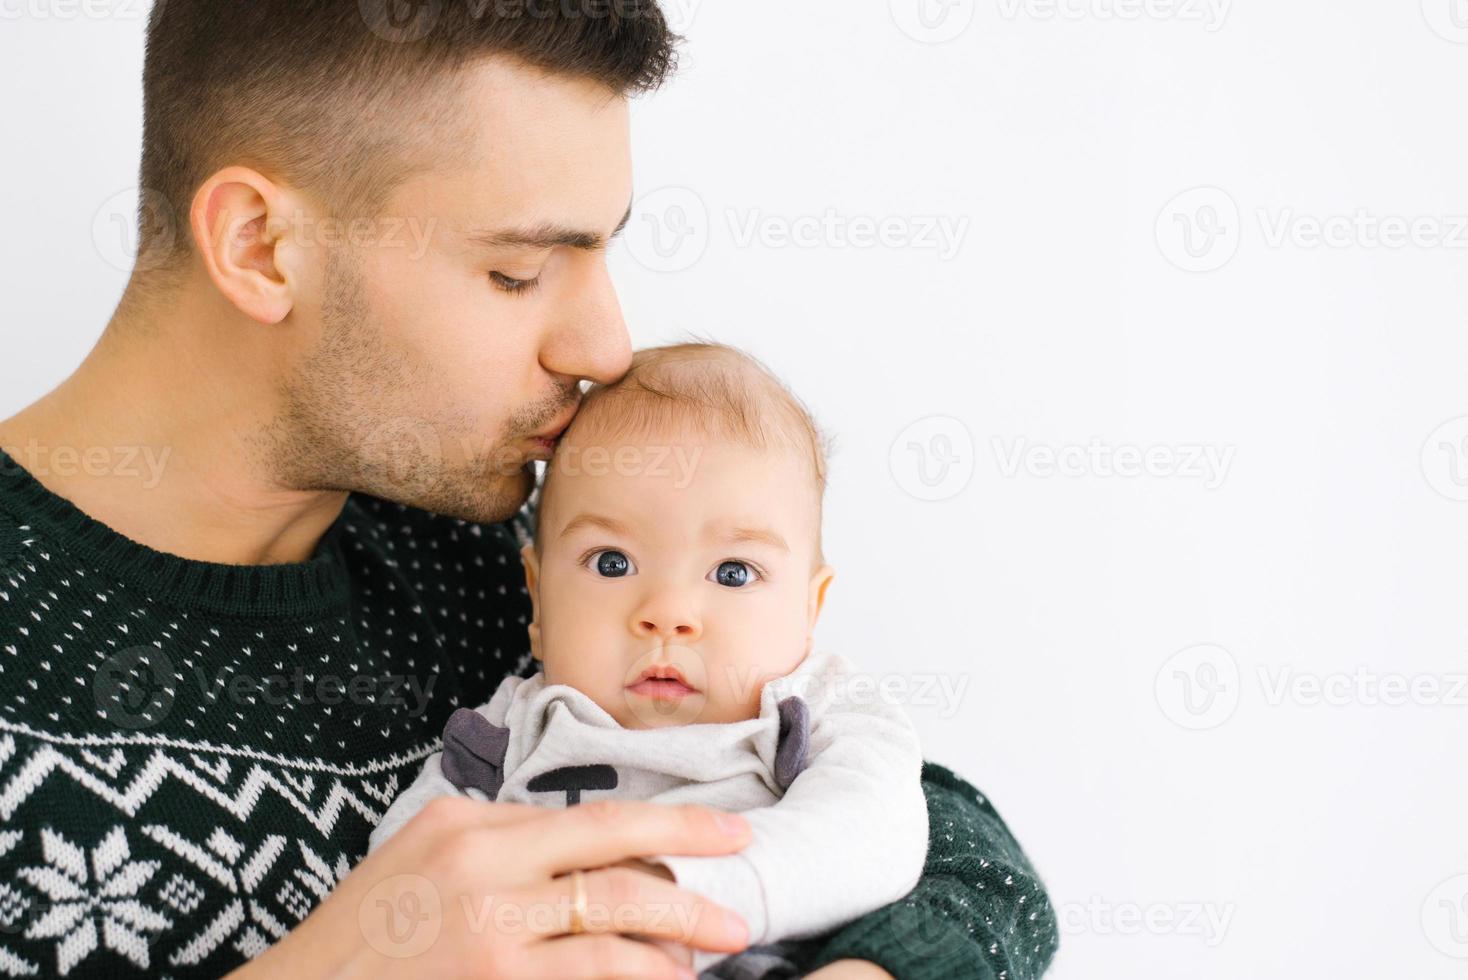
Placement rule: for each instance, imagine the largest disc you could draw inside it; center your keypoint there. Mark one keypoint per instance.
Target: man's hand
(850, 970)
(482, 890)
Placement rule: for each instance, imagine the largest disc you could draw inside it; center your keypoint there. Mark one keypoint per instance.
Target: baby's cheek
(735, 703)
(737, 697)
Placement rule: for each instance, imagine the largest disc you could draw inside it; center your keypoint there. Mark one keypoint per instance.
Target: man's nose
(591, 340)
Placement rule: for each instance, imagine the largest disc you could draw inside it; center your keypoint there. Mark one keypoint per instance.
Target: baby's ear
(820, 580)
(531, 563)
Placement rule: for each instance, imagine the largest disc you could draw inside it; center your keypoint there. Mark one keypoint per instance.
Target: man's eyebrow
(594, 520)
(548, 237)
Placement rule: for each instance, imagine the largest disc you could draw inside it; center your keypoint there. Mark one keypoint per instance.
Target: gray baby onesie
(828, 775)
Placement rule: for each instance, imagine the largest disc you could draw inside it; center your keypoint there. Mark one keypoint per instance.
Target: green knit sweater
(192, 754)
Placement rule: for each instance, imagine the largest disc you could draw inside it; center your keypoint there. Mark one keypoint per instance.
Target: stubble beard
(347, 424)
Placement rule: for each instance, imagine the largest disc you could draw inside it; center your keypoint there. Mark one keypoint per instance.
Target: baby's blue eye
(612, 564)
(734, 574)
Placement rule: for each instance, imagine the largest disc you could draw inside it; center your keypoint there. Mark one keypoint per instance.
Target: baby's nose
(673, 628)
(666, 616)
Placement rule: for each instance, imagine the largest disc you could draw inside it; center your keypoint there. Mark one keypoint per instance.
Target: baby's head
(677, 563)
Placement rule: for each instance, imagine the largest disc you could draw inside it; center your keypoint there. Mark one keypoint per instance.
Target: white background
(1158, 787)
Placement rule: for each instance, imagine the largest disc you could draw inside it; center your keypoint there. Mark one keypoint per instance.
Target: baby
(676, 575)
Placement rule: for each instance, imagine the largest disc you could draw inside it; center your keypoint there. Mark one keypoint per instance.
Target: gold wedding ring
(578, 902)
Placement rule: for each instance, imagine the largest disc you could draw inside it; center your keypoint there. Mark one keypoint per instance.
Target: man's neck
(156, 437)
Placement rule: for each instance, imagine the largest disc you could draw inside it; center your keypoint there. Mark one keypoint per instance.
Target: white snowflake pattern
(245, 920)
(79, 897)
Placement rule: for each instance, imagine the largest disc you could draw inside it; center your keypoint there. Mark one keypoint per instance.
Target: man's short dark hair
(342, 97)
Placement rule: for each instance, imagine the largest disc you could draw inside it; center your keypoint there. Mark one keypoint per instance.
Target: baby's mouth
(663, 683)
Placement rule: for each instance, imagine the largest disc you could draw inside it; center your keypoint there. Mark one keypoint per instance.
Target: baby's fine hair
(709, 389)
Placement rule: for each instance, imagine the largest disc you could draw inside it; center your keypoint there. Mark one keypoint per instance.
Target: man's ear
(531, 561)
(820, 580)
(243, 230)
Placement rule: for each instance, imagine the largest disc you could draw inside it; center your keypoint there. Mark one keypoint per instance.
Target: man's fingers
(682, 955)
(620, 900)
(505, 814)
(603, 958)
(448, 814)
(593, 835)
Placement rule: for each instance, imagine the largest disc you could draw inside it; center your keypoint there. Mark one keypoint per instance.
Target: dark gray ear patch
(474, 752)
(794, 741)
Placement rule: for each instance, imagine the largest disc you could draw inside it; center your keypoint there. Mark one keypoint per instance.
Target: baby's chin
(640, 710)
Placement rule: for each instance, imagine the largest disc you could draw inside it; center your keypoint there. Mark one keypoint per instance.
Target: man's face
(445, 349)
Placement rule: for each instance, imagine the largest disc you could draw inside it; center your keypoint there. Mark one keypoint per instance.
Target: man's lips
(543, 443)
(662, 684)
(551, 433)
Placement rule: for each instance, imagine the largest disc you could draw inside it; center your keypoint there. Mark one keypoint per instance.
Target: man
(261, 544)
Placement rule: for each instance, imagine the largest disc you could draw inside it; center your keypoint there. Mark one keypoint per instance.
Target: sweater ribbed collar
(315, 587)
